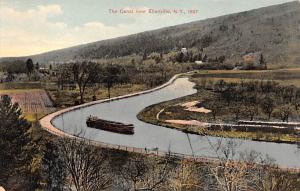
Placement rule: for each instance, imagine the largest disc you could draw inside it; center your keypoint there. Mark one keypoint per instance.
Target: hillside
(273, 30)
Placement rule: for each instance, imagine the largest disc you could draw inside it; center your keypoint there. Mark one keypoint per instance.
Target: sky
(30, 27)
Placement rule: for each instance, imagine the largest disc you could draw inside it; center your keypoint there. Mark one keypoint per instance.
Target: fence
(47, 125)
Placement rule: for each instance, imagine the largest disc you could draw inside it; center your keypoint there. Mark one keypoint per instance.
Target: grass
(149, 115)
(20, 85)
(289, 76)
(173, 111)
(15, 91)
(67, 98)
(60, 98)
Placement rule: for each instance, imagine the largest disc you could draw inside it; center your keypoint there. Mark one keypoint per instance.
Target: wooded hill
(273, 31)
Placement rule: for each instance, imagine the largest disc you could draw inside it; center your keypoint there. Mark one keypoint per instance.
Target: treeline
(145, 42)
(87, 167)
(13, 69)
(249, 99)
(16, 67)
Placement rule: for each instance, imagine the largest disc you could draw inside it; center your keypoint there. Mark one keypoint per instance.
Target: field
(210, 98)
(283, 76)
(34, 103)
(67, 98)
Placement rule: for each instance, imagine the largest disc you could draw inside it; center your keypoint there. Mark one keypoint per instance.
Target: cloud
(34, 30)
(31, 31)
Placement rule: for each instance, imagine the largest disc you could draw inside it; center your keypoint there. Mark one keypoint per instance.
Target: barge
(115, 127)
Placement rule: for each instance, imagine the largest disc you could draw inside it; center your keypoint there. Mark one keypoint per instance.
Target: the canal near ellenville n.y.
(165, 139)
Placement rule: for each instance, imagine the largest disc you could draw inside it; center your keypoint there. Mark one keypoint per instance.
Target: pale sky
(34, 26)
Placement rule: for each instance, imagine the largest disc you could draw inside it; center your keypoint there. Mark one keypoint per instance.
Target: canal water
(165, 139)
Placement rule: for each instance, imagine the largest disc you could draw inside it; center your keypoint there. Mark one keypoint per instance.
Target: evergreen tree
(29, 65)
(263, 62)
(37, 66)
(145, 55)
(14, 140)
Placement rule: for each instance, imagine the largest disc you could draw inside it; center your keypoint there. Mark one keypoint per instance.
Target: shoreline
(47, 125)
(152, 118)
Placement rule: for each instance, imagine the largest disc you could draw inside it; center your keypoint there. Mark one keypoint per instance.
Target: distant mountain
(274, 31)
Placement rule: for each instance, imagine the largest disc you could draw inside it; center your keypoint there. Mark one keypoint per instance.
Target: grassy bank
(149, 115)
(209, 98)
(66, 98)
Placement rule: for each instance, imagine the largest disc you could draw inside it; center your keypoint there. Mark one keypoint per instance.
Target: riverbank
(174, 114)
(155, 138)
(46, 122)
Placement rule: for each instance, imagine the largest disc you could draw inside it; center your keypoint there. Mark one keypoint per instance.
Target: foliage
(29, 66)
(15, 157)
(84, 74)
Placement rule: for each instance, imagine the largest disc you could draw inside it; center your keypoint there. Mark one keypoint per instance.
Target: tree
(269, 178)
(63, 76)
(158, 172)
(134, 171)
(111, 76)
(205, 58)
(237, 108)
(86, 165)
(296, 103)
(251, 111)
(228, 95)
(230, 175)
(145, 55)
(220, 85)
(145, 172)
(214, 107)
(37, 66)
(284, 112)
(54, 167)
(14, 140)
(262, 61)
(29, 66)
(180, 57)
(85, 73)
(268, 105)
(185, 176)
(222, 59)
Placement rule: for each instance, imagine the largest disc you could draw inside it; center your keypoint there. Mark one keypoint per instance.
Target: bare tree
(146, 172)
(237, 109)
(63, 76)
(269, 178)
(111, 76)
(85, 73)
(186, 176)
(251, 111)
(284, 112)
(229, 175)
(86, 165)
(268, 105)
(158, 172)
(134, 171)
(214, 107)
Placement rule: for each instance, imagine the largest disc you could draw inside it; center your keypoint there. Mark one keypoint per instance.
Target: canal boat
(116, 127)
